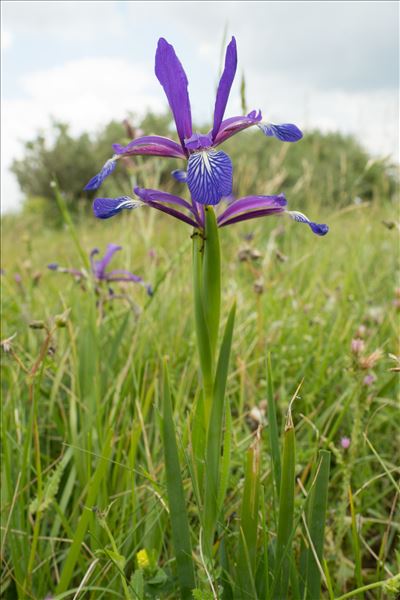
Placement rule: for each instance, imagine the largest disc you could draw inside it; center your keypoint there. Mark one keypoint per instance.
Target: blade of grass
(273, 428)
(356, 545)
(176, 497)
(286, 510)
(92, 494)
(247, 551)
(226, 457)
(316, 526)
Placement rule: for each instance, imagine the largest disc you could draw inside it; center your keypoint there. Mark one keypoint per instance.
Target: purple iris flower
(192, 213)
(98, 268)
(209, 171)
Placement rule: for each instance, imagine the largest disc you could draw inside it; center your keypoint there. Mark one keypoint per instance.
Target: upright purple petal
(225, 85)
(172, 77)
(104, 208)
(287, 132)
(99, 266)
(209, 176)
(98, 179)
(198, 141)
(150, 145)
(233, 125)
(275, 203)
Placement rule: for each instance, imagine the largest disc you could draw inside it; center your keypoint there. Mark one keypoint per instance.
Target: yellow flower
(142, 559)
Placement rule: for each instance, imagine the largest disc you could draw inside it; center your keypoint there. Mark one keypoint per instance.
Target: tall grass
(94, 507)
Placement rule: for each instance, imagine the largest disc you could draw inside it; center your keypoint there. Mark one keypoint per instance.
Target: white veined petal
(209, 176)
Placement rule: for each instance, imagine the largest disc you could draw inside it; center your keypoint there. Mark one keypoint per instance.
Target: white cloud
(85, 93)
(6, 39)
(66, 20)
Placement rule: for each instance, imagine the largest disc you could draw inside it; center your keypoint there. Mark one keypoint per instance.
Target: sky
(327, 65)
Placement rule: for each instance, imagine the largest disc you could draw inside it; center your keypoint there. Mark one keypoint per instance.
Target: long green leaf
(286, 512)
(214, 436)
(176, 497)
(316, 526)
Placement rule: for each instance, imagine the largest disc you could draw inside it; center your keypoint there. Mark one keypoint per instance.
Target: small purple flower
(98, 269)
(209, 171)
(345, 442)
(369, 379)
(357, 345)
(192, 213)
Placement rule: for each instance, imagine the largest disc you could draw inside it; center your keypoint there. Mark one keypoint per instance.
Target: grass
(86, 485)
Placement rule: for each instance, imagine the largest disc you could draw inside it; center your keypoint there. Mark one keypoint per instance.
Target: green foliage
(92, 406)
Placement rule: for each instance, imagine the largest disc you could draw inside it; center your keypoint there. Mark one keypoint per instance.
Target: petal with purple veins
(98, 179)
(104, 208)
(179, 175)
(171, 75)
(318, 228)
(287, 132)
(209, 176)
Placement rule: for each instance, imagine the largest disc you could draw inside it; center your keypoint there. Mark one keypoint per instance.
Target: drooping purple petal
(104, 208)
(122, 275)
(233, 125)
(173, 213)
(287, 132)
(224, 86)
(209, 176)
(150, 145)
(180, 176)
(74, 272)
(148, 195)
(99, 266)
(98, 179)
(318, 228)
(251, 214)
(172, 77)
(253, 203)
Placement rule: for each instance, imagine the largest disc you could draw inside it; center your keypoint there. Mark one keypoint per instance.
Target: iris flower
(209, 171)
(98, 268)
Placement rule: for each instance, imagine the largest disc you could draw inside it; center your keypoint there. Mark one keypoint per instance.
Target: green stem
(202, 335)
(207, 300)
(212, 278)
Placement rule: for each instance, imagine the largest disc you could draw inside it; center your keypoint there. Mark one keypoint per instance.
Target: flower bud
(37, 325)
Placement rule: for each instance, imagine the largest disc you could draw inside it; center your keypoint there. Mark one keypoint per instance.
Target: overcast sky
(332, 65)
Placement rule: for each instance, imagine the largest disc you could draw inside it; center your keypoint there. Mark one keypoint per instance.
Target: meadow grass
(86, 486)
